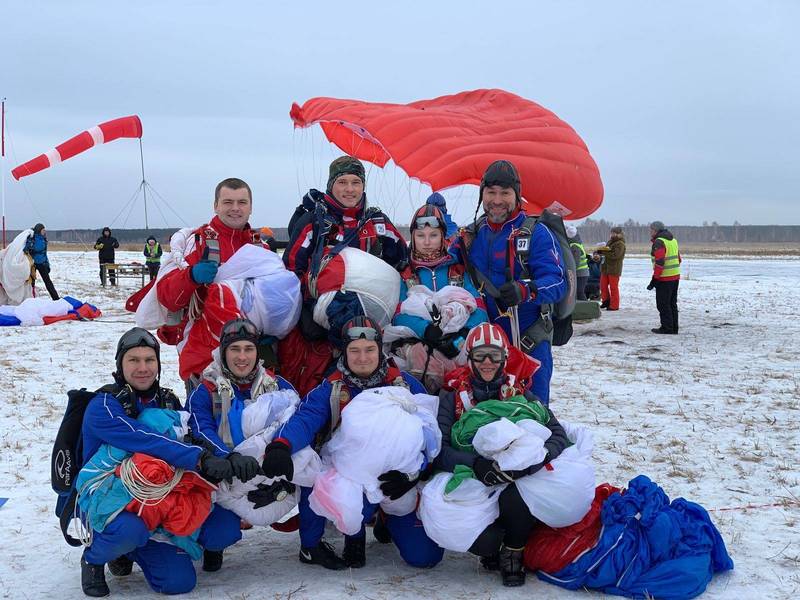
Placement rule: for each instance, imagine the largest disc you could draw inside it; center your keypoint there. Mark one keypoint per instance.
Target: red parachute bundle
(124, 127)
(184, 509)
(450, 140)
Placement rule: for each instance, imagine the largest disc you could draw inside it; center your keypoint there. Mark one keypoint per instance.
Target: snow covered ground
(711, 415)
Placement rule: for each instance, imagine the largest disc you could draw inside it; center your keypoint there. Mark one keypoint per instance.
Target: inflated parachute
(450, 141)
(124, 127)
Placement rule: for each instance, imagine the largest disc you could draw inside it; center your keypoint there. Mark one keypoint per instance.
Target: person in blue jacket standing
(110, 418)
(36, 248)
(432, 266)
(362, 366)
(490, 257)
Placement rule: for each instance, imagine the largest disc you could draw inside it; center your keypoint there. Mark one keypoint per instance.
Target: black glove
(278, 461)
(448, 347)
(214, 468)
(268, 493)
(396, 484)
(432, 335)
(651, 285)
(488, 473)
(244, 467)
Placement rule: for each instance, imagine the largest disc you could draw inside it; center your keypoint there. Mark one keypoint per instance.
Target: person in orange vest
(666, 259)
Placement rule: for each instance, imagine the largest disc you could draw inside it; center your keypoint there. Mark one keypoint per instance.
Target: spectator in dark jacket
(36, 248)
(488, 377)
(105, 246)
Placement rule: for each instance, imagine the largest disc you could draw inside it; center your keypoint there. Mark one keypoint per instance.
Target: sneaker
(212, 560)
(355, 551)
(322, 554)
(120, 566)
(511, 568)
(491, 562)
(380, 530)
(93, 580)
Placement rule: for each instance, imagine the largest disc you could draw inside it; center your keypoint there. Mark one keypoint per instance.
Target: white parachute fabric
(33, 310)
(150, 314)
(267, 293)
(261, 419)
(513, 446)
(15, 271)
(382, 429)
(455, 305)
(375, 282)
(561, 494)
(455, 520)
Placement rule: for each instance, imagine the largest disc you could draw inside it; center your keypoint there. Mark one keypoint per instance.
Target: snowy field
(711, 414)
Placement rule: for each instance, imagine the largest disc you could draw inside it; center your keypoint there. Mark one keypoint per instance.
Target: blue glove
(204, 272)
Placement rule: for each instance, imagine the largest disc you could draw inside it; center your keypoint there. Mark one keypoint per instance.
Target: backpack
(555, 323)
(559, 313)
(67, 457)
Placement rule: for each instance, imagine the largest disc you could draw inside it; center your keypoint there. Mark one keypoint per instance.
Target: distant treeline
(591, 231)
(596, 231)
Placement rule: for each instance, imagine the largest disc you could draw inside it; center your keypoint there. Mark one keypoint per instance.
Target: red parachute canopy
(450, 141)
(124, 127)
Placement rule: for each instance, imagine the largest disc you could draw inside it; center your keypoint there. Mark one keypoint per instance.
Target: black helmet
(136, 338)
(502, 173)
(237, 330)
(361, 328)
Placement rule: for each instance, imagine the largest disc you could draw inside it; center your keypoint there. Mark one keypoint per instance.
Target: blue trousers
(408, 535)
(166, 568)
(541, 379)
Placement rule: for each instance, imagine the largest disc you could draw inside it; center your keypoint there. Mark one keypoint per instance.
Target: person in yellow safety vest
(666, 259)
(152, 256)
(581, 259)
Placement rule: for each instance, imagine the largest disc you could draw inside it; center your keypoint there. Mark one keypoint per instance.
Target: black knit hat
(502, 173)
(345, 165)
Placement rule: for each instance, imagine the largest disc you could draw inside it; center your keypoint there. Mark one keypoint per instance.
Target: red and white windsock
(124, 127)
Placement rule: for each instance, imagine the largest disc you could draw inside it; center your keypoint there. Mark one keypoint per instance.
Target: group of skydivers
(434, 258)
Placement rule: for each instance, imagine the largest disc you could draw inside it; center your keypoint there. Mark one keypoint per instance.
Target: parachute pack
(555, 322)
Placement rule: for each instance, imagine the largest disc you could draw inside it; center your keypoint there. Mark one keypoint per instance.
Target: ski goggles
(241, 329)
(495, 355)
(366, 333)
(430, 221)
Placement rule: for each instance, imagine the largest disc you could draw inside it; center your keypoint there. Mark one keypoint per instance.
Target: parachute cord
(141, 488)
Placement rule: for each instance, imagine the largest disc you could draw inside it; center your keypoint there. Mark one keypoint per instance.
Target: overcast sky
(690, 109)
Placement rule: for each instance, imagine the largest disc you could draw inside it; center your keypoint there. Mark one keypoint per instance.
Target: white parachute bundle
(260, 421)
(559, 494)
(376, 283)
(266, 292)
(15, 271)
(382, 429)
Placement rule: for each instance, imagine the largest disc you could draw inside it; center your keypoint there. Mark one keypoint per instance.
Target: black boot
(355, 551)
(212, 560)
(511, 567)
(605, 304)
(120, 566)
(322, 554)
(93, 580)
(380, 530)
(659, 330)
(491, 562)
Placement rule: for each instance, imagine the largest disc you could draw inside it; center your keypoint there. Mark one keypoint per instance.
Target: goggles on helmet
(495, 355)
(367, 333)
(430, 221)
(240, 328)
